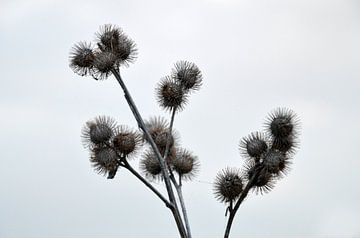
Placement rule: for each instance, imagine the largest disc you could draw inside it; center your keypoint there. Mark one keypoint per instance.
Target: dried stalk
(163, 165)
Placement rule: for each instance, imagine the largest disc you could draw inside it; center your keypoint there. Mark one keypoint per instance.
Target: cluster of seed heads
(180, 160)
(109, 143)
(268, 156)
(114, 49)
(172, 91)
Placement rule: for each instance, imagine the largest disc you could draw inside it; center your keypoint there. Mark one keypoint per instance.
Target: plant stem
(173, 180)
(238, 203)
(184, 211)
(163, 165)
(147, 184)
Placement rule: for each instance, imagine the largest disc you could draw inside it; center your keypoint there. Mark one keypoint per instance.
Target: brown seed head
(98, 131)
(185, 164)
(188, 75)
(104, 160)
(82, 58)
(228, 185)
(126, 141)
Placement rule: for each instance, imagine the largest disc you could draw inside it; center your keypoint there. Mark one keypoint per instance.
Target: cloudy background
(254, 55)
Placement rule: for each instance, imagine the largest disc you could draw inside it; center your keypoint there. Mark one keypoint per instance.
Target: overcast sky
(254, 55)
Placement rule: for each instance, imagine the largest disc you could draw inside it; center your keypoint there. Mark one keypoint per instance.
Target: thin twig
(147, 184)
(172, 178)
(184, 211)
(124, 163)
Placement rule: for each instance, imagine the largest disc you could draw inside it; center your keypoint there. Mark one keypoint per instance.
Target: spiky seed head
(264, 180)
(188, 75)
(158, 128)
(161, 139)
(254, 145)
(111, 38)
(82, 58)
(104, 160)
(282, 122)
(276, 162)
(98, 131)
(126, 50)
(150, 165)
(104, 62)
(228, 185)
(170, 94)
(126, 141)
(284, 144)
(185, 164)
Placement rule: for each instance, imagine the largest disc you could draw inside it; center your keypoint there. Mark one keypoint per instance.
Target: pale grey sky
(254, 55)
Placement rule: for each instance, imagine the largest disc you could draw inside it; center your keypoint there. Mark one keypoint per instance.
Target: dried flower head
(104, 62)
(284, 144)
(111, 38)
(263, 181)
(82, 58)
(228, 185)
(276, 162)
(170, 94)
(104, 160)
(150, 165)
(254, 145)
(282, 122)
(98, 131)
(188, 75)
(126, 141)
(158, 128)
(185, 164)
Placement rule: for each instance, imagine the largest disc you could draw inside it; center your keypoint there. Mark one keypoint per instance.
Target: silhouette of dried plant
(268, 155)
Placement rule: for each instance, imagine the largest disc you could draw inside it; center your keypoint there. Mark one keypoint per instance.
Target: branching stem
(163, 165)
(238, 203)
(173, 180)
(147, 184)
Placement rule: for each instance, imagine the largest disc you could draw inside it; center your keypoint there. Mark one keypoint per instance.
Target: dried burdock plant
(171, 94)
(185, 164)
(112, 39)
(254, 146)
(150, 166)
(82, 58)
(126, 141)
(104, 62)
(104, 160)
(98, 131)
(188, 75)
(267, 159)
(267, 155)
(228, 185)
